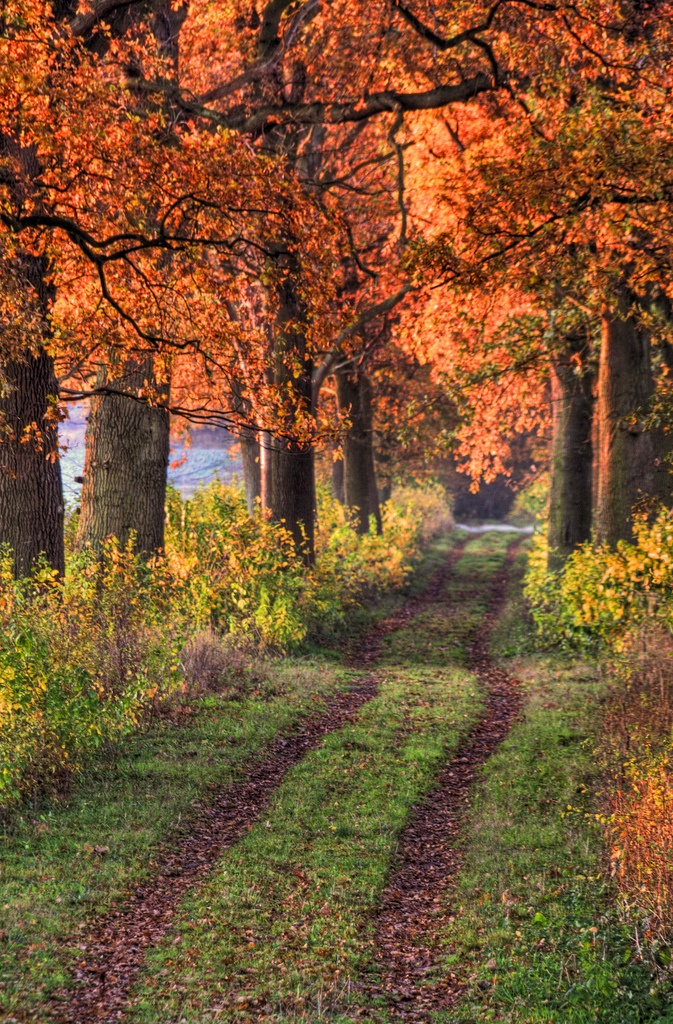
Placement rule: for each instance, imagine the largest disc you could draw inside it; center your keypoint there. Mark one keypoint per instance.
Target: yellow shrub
(83, 659)
(601, 591)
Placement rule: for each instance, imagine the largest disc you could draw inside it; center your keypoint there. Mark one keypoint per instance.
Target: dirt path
(413, 911)
(113, 951)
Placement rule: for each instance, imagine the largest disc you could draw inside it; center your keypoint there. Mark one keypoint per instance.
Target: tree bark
(252, 470)
(338, 485)
(570, 505)
(293, 500)
(361, 493)
(630, 461)
(31, 493)
(266, 469)
(293, 497)
(125, 465)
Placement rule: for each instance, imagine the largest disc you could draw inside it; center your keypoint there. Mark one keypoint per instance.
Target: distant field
(213, 452)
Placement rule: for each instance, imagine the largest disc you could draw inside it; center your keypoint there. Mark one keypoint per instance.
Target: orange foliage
(642, 854)
(516, 149)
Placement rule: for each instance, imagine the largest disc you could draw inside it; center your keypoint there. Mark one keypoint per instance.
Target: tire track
(413, 914)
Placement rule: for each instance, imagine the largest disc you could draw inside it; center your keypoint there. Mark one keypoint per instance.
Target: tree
(360, 490)
(571, 456)
(126, 461)
(564, 206)
(631, 457)
(31, 494)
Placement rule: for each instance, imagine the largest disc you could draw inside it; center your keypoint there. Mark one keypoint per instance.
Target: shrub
(81, 663)
(620, 601)
(601, 592)
(238, 573)
(531, 505)
(85, 660)
(641, 830)
(427, 504)
(208, 661)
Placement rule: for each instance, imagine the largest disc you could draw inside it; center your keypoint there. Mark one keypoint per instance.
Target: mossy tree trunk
(31, 492)
(570, 505)
(126, 462)
(360, 490)
(630, 460)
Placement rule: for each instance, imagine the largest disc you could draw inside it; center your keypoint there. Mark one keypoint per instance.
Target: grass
(537, 937)
(63, 861)
(283, 929)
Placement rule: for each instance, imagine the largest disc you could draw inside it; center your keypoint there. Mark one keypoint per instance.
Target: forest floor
(400, 830)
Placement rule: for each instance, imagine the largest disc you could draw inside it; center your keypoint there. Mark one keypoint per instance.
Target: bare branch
(322, 112)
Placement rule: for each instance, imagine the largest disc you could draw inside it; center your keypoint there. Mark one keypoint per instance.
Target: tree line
(245, 215)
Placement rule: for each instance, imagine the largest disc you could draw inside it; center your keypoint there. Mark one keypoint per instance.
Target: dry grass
(638, 727)
(642, 855)
(640, 705)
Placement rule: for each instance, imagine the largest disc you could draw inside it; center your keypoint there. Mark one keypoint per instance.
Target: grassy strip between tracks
(537, 936)
(283, 929)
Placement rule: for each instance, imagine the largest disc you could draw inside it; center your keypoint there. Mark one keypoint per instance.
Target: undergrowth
(539, 934)
(87, 660)
(617, 606)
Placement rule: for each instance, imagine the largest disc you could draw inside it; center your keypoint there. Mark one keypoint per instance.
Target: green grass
(51, 877)
(283, 929)
(284, 924)
(128, 805)
(537, 938)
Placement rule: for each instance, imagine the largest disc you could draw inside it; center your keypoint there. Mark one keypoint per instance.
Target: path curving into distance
(413, 911)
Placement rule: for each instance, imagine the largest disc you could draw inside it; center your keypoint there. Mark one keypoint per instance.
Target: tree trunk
(125, 465)
(338, 486)
(266, 469)
(252, 471)
(630, 459)
(361, 493)
(293, 497)
(570, 504)
(31, 493)
(385, 491)
(368, 425)
(293, 494)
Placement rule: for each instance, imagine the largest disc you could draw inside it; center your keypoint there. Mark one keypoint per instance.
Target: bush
(237, 573)
(531, 505)
(81, 663)
(619, 601)
(85, 660)
(641, 830)
(601, 592)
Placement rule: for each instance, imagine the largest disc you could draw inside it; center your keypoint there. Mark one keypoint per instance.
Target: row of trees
(556, 253)
(244, 215)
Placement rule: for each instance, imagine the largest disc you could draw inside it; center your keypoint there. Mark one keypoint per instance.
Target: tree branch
(322, 372)
(322, 112)
(82, 24)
